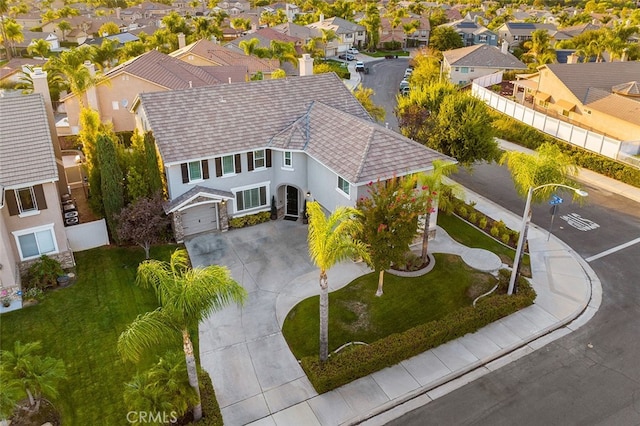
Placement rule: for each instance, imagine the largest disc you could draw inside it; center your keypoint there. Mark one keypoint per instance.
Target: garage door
(199, 219)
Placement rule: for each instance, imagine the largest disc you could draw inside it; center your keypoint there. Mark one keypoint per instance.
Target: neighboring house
(155, 10)
(462, 66)
(296, 139)
(301, 32)
(207, 53)
(348, 33)
(418, 37)
(31, 222)
(121, 38)
(13, 71)
(601, 96)
(473, 33)
(515, 33)
(29, 20)
(150, 72)
(80, 28)
(265, 36)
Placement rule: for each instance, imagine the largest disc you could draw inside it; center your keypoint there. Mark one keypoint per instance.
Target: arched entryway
(292, 203)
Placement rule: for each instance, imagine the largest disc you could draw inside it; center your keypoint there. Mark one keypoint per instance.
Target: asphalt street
(590, 377)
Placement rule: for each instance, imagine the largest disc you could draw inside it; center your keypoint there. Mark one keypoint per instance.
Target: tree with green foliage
(548, 165)
(13, 33)
(70, 64)
(364, 95)
(131, 50)
(249, 46)
(372, 22)
(389, 217)
(433, 186)
(331, 240)
(539, 50)
(186, 296)
(64, 27)
(40, 48)
(90, 127)
(427, 68)
(278, 74)
(445, 38)
(111, 180)
(164, 388)
(108, 28)
(243, 24)
(105, 55)
(37, 376)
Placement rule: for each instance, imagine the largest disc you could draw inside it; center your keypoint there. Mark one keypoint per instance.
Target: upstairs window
(26, 200)
(195, 171)
(343, 185)
(228, 165)
(288, 159)
(258, 159)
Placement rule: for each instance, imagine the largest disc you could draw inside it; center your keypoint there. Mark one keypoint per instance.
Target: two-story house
(516, 33)
(349, 34)
(228, 149)
(31, 222)
(461, 66)
(473, 33)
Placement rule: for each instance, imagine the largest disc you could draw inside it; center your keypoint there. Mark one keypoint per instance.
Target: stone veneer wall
(66, 260)
(178, 230)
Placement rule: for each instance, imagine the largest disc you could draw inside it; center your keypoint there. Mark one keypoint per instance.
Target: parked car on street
(404, 84)
(360, 66)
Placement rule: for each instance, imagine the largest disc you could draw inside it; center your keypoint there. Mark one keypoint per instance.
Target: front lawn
(81, 324)
(356, 314)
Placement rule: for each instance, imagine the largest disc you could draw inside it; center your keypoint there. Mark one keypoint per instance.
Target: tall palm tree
(249, 46)
(70, 64)
(331, 241)
(434, 185)
(64, 27)
(37, 376)
(13, 33)
(39, 48)
(186, 296)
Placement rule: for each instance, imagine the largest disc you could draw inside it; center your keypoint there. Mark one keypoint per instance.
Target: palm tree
(70, 64)
(283, 51)
(434, 185)
(64, 26)
(548, 165)
(249, 46)
(331, 241)
(36, 375)
(13, 33)
(142, 393)
(186, 296)
(39, 48)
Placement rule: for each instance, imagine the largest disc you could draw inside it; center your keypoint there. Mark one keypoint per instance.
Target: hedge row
(512, 130)
(249, 220)
(495, 228)
(345, 367)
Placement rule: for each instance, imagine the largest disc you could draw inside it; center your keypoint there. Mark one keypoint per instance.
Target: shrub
(364, 360)
(482, 222)
(462, 211)
(391, 45)
(211, 415)
(254, 219)
(502, 227)
(237, 222)
(44, 272)
(473, 217)
(494, 231)
(34, 293)
(506, 237)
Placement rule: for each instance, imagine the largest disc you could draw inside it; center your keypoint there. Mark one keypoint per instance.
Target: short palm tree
(36, 375)
(186, 296)
(331, 241)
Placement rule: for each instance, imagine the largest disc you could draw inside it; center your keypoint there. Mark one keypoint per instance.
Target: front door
(292, 201)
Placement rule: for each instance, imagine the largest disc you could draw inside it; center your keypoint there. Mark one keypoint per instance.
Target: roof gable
(482, 55)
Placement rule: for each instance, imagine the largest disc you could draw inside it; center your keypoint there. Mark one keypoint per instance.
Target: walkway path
(259, 381)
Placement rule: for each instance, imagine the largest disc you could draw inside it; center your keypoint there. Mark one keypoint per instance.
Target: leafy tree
(176, 24)
(90, 126)
(106, 54)
(205, 28)
(433, 186)
(427, 68)
(163, 388)
(463, 130)
(143, 222)
(39, 48)
(111, 180)
(13, 33)
(4, 8)
(372, 23)
(364, 94)
(108, 28)
(241, 24)
(331, 240)
(539, 49)
(445, 38)
(64, 27)
(186, 296)
(278, 73)
(70, 64)
(131, 50)
(437, 17)
(38, 376)
(272, 19)
(548, 165)
(390, 221)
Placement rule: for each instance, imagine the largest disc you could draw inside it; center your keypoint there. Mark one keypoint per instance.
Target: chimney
(306, 65)
(625, 55)
(118, 12)
(572, 59)
(181, 41)
(92, 93)
(322, 18)
(505, 47)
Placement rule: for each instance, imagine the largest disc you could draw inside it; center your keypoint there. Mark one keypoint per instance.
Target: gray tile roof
(360, 150)
(242, 116)
(316, 114)
(482, 55)
(26, 149)
(578, 78)
(623, 107)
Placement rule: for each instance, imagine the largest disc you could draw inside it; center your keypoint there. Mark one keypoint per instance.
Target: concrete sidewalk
(258, 381)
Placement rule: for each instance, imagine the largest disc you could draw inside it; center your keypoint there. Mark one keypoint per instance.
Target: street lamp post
(526, 219)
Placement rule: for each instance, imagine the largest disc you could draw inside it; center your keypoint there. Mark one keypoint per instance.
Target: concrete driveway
(243, 350)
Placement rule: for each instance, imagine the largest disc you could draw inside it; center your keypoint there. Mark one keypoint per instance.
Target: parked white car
(353, 51)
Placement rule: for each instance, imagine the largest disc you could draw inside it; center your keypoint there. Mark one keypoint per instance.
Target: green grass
(356, 314)
(471, 236)
(81, 324)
